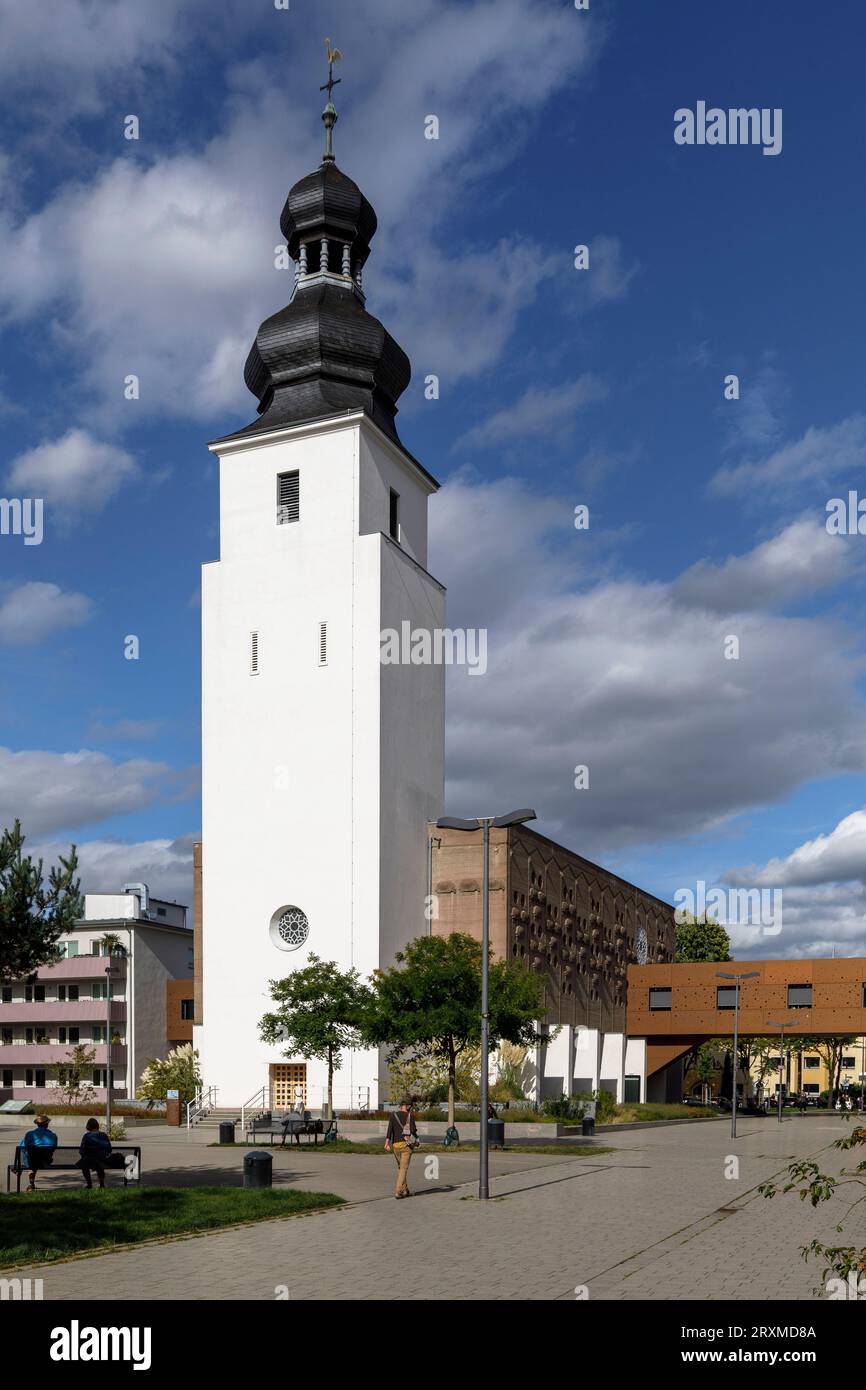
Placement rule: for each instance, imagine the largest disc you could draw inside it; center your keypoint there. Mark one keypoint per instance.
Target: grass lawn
(349, 1146)
(47, 1225)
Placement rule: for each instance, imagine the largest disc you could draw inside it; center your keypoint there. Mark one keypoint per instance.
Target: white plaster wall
(612, 1059)
(586, 1059)
(635, 1062)
(557, 1063)
(294, 775)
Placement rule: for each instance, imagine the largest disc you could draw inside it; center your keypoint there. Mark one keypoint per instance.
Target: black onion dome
(324, 354)
(327, 203)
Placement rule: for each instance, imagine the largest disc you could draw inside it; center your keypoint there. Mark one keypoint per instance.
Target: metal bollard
(258, 1169)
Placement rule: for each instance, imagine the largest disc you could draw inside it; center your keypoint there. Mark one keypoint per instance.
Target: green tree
(429, 1003)
(179, 1071)
(700, 938)
(844, 1261)
(319, 1013)
(71, 1075)
(33, 915)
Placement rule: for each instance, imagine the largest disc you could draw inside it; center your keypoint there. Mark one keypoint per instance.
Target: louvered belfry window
(288, 498)
(254, 653)
(323, 644)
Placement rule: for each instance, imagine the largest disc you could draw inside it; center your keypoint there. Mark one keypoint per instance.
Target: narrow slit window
(288, 497)
(323, 644)
(394, 516)
(254, 653)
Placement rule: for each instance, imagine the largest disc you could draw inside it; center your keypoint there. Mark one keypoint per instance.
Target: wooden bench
(66, 1158)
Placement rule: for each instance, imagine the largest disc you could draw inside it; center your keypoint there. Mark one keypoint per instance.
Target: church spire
(329, 115)
(324, 354)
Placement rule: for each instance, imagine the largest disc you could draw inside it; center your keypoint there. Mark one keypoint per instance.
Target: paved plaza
(657, 1219)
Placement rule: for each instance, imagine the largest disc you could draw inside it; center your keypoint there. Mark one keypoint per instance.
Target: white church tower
(321, 765)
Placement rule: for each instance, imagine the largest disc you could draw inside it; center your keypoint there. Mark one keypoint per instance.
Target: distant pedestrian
(402, 1139)
(95, 1150)
(38, 1145)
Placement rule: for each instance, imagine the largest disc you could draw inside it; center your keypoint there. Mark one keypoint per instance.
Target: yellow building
(806, 1071)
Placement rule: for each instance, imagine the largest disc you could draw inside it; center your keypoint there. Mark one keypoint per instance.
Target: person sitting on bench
(38, 1145)
(95, 1150)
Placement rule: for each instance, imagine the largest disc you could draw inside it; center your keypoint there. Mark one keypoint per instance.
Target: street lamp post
(746, 975)
(108, 973)
(484, 823)
(789, 1023)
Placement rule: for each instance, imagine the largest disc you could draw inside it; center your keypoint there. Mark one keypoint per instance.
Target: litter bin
(258, 1169)
(496, 1133)
(227, 1132)
(587, 1125)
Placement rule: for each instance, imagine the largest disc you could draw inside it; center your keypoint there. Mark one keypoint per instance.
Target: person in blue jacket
(38, 1145)
(95, 1148)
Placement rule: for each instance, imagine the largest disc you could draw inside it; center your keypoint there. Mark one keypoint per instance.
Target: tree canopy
(34, 914)
(700, 938)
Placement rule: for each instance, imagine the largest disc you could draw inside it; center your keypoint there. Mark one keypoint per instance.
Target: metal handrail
(257, 1100)
(204, 1101)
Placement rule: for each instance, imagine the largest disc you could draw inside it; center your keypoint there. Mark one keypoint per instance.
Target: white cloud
(105, 865)
(77, 48)
(820, 456)
(59, 791)
(74, 474)
(801, 559)
(538, 411)
(627, 679)
(837, 857)
(36, 610)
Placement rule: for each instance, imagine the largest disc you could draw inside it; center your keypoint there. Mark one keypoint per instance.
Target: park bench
(66, 1157)
(292, 1127)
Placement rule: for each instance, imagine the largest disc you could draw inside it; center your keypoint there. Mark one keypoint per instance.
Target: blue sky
(557, 387)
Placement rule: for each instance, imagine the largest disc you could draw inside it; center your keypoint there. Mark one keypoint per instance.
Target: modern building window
(726, 997)
(323, 644)
(811, 1062)
(68, 1035)
(288, 497)
(28, 1077)
(28, 1036)
(161, 912)
(394, 515)
(187, 1009)
(97, 1033)
(40, 1077)
(7, 1080)
(98, 990)
(254, 653)
(811, 1088)
(660, 999)
(71, 948)
(65, 992)
(799, 996)
(6, 994)
(34, 992)
(7, 1037)
(849, 1062)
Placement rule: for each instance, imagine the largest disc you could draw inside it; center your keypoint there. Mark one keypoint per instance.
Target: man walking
(401, 1140)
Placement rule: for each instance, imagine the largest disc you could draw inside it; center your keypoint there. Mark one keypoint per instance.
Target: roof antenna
(329, 115)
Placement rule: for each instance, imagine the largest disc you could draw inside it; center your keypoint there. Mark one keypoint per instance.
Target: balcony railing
(61, 1011)
(45, 1054)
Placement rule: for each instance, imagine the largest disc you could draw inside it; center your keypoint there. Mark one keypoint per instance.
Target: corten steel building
(675, 1007)
(575, 923)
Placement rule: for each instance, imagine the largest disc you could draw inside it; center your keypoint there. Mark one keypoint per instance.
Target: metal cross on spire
(329, 115)
(334, 56)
